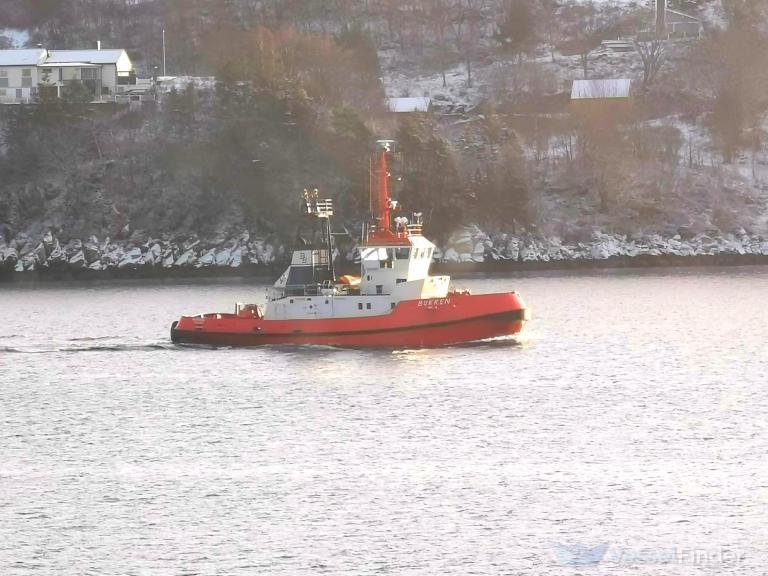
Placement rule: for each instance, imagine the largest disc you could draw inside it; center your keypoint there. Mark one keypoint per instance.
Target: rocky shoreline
(467, 250)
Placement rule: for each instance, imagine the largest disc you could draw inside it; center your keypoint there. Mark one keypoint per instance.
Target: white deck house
(23, 73)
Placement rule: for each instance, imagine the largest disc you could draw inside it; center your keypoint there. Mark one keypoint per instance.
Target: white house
(24, 72)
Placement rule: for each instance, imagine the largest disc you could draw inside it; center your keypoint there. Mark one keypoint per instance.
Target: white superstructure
(389, 273)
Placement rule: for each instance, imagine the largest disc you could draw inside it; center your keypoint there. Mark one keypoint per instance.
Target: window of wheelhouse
(370, 256)
(389, 257)
(402, 253)
(378, 257)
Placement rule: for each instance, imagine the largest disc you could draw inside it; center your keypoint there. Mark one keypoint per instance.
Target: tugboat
(394, 303)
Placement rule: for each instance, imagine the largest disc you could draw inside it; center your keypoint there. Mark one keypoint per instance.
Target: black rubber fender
(174, 335)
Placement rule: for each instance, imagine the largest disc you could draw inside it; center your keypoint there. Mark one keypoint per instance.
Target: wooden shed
(608, 99)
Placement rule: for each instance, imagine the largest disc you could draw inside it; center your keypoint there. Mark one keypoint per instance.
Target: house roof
(678, 16)
(28, 57)
(41, 57)
(89, 56)
(48, 64)
(417, 104)
(591, 89)
(675, 16)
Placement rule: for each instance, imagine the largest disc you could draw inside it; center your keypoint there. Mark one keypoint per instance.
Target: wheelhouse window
(371, 254)
(3, 78)
(402, 253)
(389, 256)
(382, 256)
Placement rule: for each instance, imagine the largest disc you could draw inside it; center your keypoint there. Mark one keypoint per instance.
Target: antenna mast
(382, 205)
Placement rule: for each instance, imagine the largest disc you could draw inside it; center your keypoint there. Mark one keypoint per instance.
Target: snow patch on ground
(18, 37)
(471, 244)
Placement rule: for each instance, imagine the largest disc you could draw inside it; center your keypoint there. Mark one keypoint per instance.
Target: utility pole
(661, 17)
(164, 70)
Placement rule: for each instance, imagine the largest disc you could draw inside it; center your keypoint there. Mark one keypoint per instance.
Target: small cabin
(679, 25)
(607, 99)
(662, 22)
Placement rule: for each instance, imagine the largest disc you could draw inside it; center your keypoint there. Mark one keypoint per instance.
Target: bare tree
(466, 21)
(550, 23)
(653, 53)
(516, 33)
(584, 33)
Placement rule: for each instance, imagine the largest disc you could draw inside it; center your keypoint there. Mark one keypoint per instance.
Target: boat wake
(94, 338)
(153, 347)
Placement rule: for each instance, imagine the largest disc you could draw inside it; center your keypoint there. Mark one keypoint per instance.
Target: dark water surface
(632, 414)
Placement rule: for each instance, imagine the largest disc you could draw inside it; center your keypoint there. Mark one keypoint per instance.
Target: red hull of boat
(411, 324)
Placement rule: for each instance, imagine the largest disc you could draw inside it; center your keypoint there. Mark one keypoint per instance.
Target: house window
(46, 74)
(3, 78)
(368, 306)
(19, 94)
(26, 77)
(2, 91)
(88, 73)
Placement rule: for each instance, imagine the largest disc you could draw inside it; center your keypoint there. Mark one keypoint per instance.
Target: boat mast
(321, 211)
(382, 216)
(329, 247)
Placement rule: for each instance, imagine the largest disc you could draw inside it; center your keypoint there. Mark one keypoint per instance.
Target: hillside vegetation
(285, 95)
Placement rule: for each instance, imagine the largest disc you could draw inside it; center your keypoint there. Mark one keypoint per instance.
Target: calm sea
(627, 429)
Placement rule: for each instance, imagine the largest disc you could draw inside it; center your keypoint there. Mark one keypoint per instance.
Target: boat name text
(435, 302)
